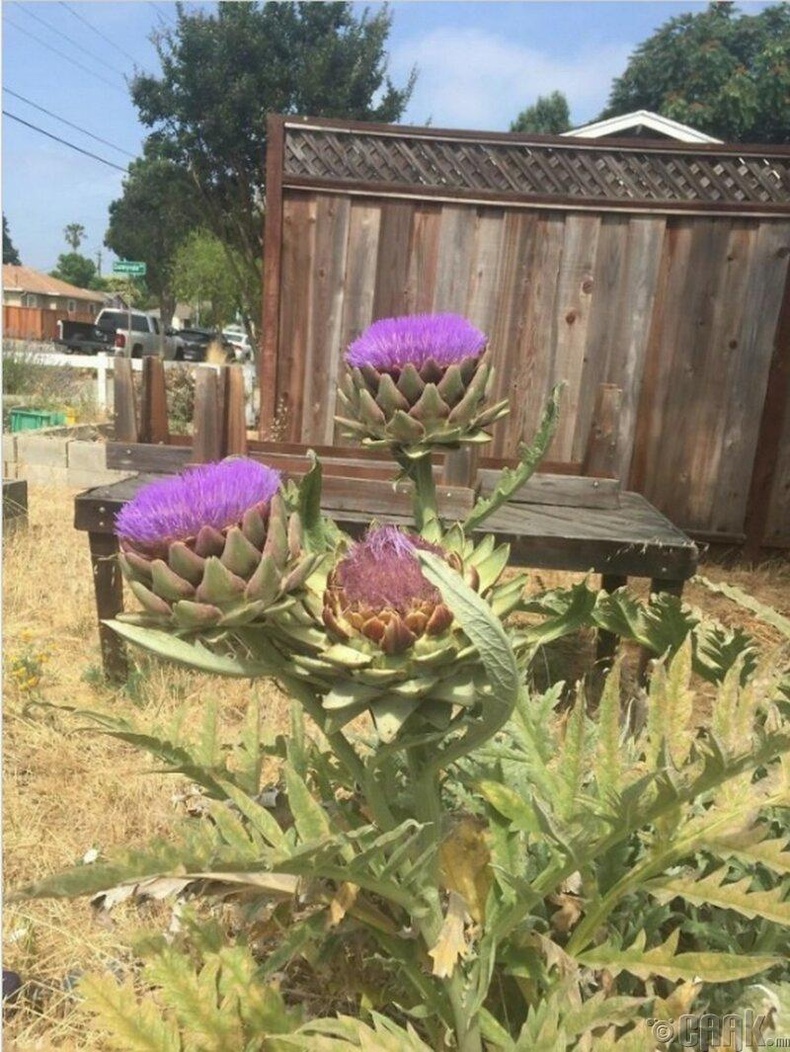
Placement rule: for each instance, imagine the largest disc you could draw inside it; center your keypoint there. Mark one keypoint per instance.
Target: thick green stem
(420, 471)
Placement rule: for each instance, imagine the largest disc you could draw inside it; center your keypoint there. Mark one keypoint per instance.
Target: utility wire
(65, 142)
(76, 43)
(98, 32)
(162, 18)
(63, 120)
(63, 54)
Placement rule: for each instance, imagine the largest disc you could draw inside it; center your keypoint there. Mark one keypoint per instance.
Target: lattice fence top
(562, 169)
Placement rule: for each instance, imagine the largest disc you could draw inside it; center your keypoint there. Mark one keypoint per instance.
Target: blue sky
(479, 64)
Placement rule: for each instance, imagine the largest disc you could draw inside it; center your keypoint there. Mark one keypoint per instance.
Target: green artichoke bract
(212, 547)
(416, 382)
(388, 642)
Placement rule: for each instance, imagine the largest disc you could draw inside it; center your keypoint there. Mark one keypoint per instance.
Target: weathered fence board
(675, 298)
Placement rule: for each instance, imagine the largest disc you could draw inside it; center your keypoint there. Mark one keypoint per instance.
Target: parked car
(236, 336)
(192, 345)
(132, 333)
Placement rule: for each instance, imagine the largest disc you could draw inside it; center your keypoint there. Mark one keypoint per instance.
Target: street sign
(127, 266)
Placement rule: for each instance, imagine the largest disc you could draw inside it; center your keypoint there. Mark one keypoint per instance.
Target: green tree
(76, 269)
(201, 275)
(74, 234)
(158, 208)
(223, 72)
(548, 116)
(725, 73)
(10, 254)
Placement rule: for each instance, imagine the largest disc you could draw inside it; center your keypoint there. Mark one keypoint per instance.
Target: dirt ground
(68, 792)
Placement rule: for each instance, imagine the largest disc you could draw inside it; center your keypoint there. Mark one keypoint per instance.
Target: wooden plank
(207, 443)
(423, 259)
(514, 274)
(153, 414)
(563, 490)
(574, 291)
(752, 357)
(773, 425)
(363, 242)
(130, 456)
(600, 456)
(234, 429)
(634, 539)
(326, 306)
(534, 342)
(108, 591)
(715, 384)
(456, 248)
(124, 401)
(14, 502)
(483, 288)
(392, 266)
(296, 320)
(272, 262)
(412, 193)
(380, 497)
(663, 339)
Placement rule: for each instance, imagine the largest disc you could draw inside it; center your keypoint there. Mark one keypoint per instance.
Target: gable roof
(25, 279)
(640, 119)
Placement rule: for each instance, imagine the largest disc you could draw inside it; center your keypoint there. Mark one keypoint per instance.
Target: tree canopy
(223, 72)
(201, 275)
(549, 115)
(725, 73)
(76, 269)
(158, 208)
(10, 254)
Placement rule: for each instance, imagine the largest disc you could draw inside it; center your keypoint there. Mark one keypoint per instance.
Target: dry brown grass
(67, 791)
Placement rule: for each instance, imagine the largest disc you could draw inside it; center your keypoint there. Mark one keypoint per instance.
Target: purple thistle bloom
(382, 571)
(392, 343)
(214, 495)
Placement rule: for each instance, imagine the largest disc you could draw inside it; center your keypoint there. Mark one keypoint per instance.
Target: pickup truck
(131, 333)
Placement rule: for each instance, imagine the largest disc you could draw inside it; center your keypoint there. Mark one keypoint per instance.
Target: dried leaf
(451, 943)
(342, 902)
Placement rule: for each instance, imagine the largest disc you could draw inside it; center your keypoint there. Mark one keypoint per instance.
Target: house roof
(25, 279)
(638, 120)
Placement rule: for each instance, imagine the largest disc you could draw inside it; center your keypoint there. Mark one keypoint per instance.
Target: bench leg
(607, 641)
(108, 587)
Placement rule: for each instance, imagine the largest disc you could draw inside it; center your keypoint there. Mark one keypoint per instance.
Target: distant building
(641, 124)
(25, 287)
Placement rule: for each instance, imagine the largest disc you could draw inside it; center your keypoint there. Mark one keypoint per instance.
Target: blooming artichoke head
(389, 643)
(213, 546)
(418, 381)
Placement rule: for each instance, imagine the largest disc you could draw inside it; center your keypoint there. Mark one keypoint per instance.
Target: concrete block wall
(63, 456)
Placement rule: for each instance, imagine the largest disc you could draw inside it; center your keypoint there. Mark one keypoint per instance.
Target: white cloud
(470, 78)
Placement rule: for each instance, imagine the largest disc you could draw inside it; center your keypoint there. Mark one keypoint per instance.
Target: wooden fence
(662, 269)
(37, 323)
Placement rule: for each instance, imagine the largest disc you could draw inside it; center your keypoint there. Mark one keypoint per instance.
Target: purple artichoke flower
(418, 381)
(213, 546)
(392, 343)
(379, 591)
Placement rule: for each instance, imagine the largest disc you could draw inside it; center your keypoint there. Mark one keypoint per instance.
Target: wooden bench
(559, 520)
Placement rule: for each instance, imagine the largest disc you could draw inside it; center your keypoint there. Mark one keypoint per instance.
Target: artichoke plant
(383, 639)
(214, 546)
(418, 381)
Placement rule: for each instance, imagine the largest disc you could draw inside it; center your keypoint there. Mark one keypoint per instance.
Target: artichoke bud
(214, 546)
(418, 381)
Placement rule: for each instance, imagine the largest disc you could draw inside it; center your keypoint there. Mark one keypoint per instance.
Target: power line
(98, 32)
(63, 54)
(63, 120)
(65, 142)
(162, 18)
(71, 40)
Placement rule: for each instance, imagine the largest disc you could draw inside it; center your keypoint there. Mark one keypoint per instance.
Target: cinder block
(41, 450)
(87, 456)
(43, 474)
